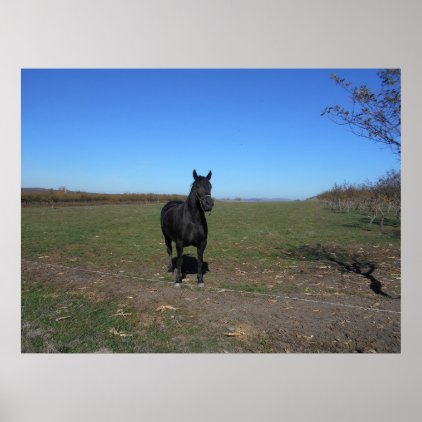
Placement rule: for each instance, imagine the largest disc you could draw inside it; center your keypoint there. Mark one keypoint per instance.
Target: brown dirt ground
(335, 311)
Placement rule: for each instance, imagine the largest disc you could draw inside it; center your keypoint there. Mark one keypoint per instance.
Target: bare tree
(376, 200)
(375, 116)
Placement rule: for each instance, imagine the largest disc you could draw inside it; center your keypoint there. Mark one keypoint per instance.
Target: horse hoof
(178, 285)
(201, 285)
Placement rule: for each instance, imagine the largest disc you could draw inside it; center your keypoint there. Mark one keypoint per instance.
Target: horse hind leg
(169, 253)
(200, 251)
(179, 275)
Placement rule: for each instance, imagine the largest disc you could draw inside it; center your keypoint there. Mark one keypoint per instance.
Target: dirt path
(282, 322)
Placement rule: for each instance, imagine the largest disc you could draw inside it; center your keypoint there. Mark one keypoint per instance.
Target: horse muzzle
(207, 203)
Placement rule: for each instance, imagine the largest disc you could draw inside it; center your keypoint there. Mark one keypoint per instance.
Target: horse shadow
(344, 262)
(189, 265)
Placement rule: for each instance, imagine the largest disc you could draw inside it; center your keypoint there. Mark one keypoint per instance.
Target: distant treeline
(375, 200)
(54, 197)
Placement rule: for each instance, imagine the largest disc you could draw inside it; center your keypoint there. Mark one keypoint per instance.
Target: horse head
(201, 188)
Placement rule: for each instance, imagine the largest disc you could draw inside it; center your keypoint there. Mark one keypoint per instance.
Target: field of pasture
(281, 277)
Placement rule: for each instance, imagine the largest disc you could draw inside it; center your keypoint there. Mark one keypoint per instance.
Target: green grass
(58, 321)
(84, 328)
(128, 237)
(246, 241)
(250, 237)
(103, 236)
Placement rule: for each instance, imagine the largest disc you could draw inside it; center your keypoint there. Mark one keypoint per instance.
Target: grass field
(267, 248)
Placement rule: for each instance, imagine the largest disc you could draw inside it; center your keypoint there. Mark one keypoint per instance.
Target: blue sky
(259, 131)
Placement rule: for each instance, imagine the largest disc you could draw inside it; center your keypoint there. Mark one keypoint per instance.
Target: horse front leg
(169, 254)
(200, 251)
(179, 248)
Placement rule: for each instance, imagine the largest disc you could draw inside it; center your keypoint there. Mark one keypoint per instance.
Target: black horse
(184, 223)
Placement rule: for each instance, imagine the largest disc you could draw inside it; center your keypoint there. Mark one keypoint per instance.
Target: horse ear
(195, 175)
(209, 175)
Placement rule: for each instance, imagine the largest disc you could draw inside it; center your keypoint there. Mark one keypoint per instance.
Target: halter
(200, 201)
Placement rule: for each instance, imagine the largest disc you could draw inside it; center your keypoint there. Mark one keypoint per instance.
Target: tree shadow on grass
(391, 225)
(390, 229)
(344, 261)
